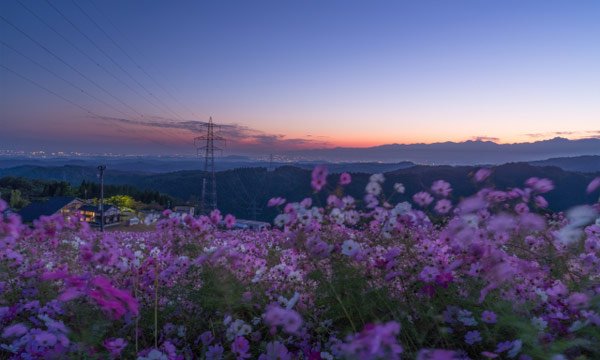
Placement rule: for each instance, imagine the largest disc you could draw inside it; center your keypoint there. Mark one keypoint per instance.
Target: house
(65, 205)
(92, 215)
(183, 210)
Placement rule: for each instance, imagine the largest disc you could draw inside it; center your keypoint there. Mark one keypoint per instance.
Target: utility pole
(206, 144)
(101, 169)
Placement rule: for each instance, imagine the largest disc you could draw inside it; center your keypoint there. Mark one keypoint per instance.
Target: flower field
(388, 276)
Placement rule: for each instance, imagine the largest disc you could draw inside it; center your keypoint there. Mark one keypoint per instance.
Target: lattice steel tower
(206, 144)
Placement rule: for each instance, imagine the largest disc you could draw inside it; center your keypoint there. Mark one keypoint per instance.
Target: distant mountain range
(587, 163)
(152, 165)
(461, 153)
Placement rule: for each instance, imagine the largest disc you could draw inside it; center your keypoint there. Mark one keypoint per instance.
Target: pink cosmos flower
(473, 337)
(15, 330)
(115, 346)
(319, 177)
(444, 279)
(334, 201)
(214, 352)
(345, 179)
(240, 347)
(215, 217)
(521, 208)
(276, 201)
(541, 202)
(594, 185)
(428, 274)
(488, 317)
(422, 198)
(443, 206)
(318, 184)
(482, 174)
(114, 301)
(489, 354)
(437, 354)
(229, 221)
(289, 319)
(45, 339)
(472, 204)
(540, 185)
(578, 301)
(207, 338)
(441, 188)
(276, 351)
(375, 341)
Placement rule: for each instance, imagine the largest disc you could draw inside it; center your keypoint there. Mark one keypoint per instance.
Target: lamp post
(101, 169)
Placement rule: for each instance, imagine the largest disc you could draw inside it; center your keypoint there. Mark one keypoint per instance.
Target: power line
(48, 90)
(62, 78)
(123, 35)
(126, 54)
(71, 101)
(74, 69)
(104, 53)
(83, 53)
(68, 65)
(77, 48)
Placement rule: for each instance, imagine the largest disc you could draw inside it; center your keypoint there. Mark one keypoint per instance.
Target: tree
(16, 200)
(121, 201)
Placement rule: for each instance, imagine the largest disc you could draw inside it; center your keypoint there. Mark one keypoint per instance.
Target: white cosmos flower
(281, 220)
(399, 187)
(350, 247)
(352, 217)
(539, 323)
(471, 220)
(569, 235)
(373, 188)
(378, 178)
(348, 201)
(401, 208)
(337, 216)
(581, 215)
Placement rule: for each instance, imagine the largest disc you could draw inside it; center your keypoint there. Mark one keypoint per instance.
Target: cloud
(579, 134)
(534, 135)
(237, 136)
(486, 138)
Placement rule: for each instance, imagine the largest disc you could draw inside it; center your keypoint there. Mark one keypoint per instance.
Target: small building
(149, 216)
(184, 210)
(92, 214)
(251, 225)
(64, 205)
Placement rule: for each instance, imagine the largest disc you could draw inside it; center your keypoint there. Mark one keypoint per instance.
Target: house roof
(96, 208)
(51, 206)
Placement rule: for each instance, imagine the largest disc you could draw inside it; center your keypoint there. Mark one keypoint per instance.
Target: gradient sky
(300, 74)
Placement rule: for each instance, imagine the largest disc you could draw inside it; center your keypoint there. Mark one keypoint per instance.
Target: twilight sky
(295, 74)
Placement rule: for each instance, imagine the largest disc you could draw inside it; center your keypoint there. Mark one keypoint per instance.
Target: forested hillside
(244, 192)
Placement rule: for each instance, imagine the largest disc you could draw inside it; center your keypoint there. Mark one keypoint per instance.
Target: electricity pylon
(206, 144)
